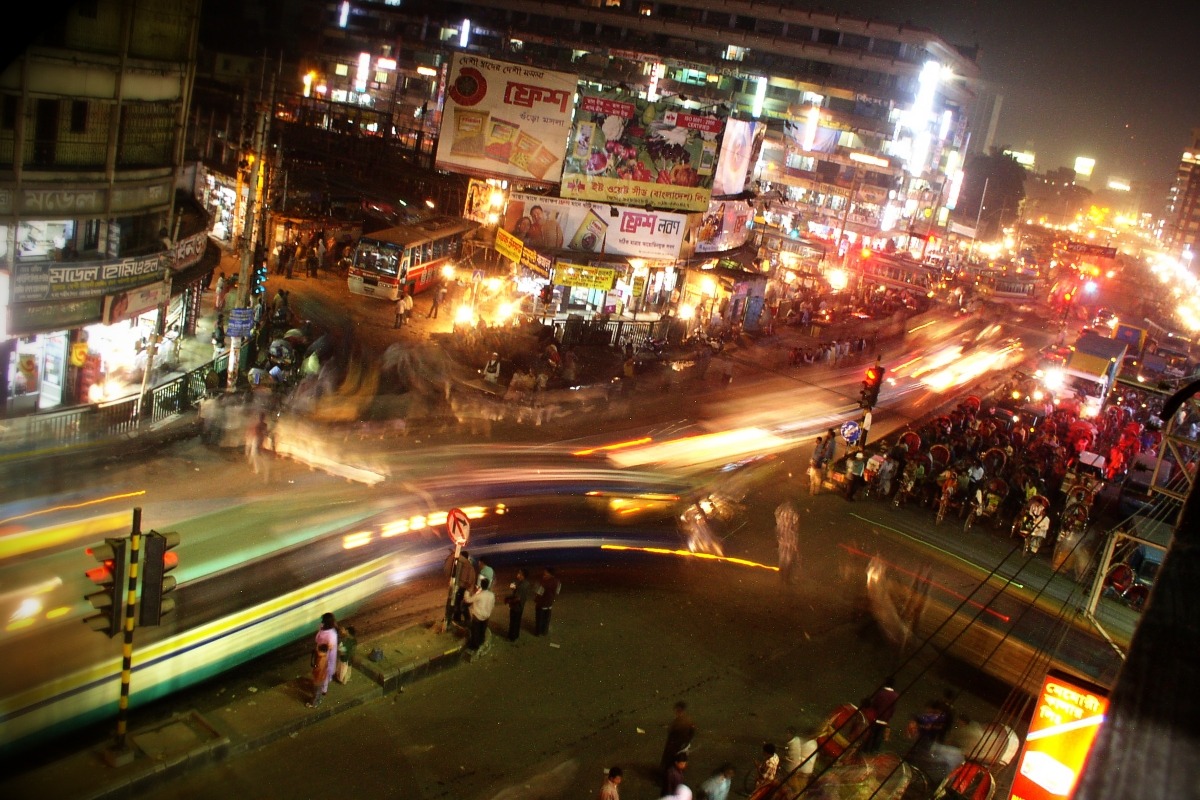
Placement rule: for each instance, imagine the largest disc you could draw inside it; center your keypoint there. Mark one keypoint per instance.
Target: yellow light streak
(610, 447)
(664, 551)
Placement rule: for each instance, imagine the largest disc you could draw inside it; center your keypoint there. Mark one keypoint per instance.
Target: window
(827, 36)
(8, 112)
(744, 23)
(801, 33)
(717, 19)
(342, 70)
(854, 41)
(645, 9)
(735, 53)
(79, 116)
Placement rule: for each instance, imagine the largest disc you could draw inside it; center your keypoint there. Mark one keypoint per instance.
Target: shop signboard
(1065, 722)
(1085, 249)
(135, 302)
(725, 226)
(554, 223)
(536, 262)
(240, 322)
(38, 281)
(505, 120)
(25, 319)
(584, 277)
(508, 245)
(641, 154)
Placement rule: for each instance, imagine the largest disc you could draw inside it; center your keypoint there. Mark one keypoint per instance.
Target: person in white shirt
(799, 758)
(481, 602)
(718, 785)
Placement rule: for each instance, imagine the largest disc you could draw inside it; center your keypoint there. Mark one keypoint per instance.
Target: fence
(82, 426)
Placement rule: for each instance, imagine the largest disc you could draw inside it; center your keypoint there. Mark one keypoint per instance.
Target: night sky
(1120, 84)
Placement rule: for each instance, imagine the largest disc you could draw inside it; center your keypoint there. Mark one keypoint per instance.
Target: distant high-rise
(1182, 224)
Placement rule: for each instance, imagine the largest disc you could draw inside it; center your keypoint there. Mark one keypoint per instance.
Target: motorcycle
(1033, 523)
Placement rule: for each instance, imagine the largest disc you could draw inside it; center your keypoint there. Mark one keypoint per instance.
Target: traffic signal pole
(121, 752)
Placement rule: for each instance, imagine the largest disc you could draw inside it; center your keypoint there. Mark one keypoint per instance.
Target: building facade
(1181, 230)
(91, 142)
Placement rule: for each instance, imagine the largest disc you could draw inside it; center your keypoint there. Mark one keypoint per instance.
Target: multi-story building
(869, 121)
(91, 122)
(1181, 229)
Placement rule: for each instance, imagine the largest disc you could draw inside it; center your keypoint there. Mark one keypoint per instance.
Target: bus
(410, 255)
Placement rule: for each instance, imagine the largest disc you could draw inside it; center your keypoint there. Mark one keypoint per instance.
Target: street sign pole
(458, 525)
(449, 617)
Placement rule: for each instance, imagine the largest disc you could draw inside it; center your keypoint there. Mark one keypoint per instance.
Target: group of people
(475, 598)
(794, 764)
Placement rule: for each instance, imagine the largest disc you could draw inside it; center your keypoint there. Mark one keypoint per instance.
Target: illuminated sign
(1066, 719)
(1085, 249)
(509, 245)
(1084, 166)
(1022, 157)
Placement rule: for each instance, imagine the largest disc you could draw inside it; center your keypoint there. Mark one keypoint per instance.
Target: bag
(342, 673)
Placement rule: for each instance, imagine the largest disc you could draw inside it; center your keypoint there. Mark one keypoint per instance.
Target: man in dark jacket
(521, 592)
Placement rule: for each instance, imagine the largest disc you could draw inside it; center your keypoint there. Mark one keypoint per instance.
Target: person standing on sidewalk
(547, 591)
(400, 306)
(482, 602)
(522, 590)
(327, 638)
(680, 733)
(816, 467)
(439, 294)
(856, 466)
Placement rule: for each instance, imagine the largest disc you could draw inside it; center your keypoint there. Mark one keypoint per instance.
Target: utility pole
(978, 217)
(251, 230)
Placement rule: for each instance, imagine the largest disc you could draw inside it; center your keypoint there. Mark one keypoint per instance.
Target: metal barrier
(612, 333)
(81, 426)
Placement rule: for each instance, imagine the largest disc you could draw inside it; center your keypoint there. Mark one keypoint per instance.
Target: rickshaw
(1072, 527)
(949, 482)
(987, 502)
(845, 729)
(911, 441)
(916, 471)
(1033, 523)
(996, 747)
(994, 460)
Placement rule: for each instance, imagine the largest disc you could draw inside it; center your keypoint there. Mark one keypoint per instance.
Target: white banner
(737, 151)
(724, 226)
(505, 120)
(553, 223)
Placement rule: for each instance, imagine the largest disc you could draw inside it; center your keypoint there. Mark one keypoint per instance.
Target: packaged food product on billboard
(501, 134)
(469, 128)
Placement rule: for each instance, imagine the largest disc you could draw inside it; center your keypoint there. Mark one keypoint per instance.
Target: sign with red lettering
(1066, 719)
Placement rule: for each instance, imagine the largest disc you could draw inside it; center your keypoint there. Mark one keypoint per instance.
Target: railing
(84, 426)
(613, 333)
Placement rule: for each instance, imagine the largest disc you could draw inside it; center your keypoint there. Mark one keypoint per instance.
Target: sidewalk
(189, 739)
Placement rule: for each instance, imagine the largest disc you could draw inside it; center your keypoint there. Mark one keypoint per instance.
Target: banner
(478, 205)
(39, 281)
(535, 262)
(505, 120)
(824, 140)
(552, 223)
(135, 302)
(584, 277)
(725, 226)
(641, 154)
(739, 148)
(508, 245)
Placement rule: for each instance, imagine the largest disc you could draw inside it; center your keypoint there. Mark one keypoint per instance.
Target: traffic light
(157, 585)
(547, 294)
(258, 281)
(871, 385)
(109, 578)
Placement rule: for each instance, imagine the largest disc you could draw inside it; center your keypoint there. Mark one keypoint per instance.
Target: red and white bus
(410, 255)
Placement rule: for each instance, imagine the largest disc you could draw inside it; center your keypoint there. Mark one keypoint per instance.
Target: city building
(94, 236)
(1181, 228)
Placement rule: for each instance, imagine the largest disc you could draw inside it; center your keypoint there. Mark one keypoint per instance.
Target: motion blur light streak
(26, 542)
(615, 446)
(663, 551)
(72, 506)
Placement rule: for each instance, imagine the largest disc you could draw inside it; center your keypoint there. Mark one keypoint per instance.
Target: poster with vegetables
(633, 152)
(505, 120)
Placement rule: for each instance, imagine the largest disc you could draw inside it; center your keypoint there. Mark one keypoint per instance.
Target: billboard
(1066, 719)
(739, 150)
(641, 154)
(724, 226)
(554, 223)
(505, 120)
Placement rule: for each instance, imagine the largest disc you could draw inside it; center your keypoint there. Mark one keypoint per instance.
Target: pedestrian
(484, 570)
(464, 572)
(218, 337)
(520, 592)
(481, 601)
(347, 644)
(816, 467)
(787, 531)
(855, 467)
(324, 658)
(673, 777)
(830, 451)
(768, 768)
(222, 287)
(611, 788)
(491, 370)
(680, 733)
(408, 305)
(799, 759)
(400, 306)
(439, 294)
(718, 784)
(543, 602)
(878, 709)
(256, 443)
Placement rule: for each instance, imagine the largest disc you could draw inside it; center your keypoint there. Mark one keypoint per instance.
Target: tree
(1005, 181)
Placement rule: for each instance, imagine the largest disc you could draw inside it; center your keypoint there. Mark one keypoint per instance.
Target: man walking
(855, 467)
(787, 531)
(879, 708)
(401, 307)
(816, 467)
(522, 590)
(680, 733)
(439, 294)
(543, 602)
(611, 790)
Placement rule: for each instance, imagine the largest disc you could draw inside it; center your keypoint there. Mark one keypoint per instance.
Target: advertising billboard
(633, 152)
(553, 223)
(1066, 719)
(739, 150)
(505, 120)
(724, 226)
